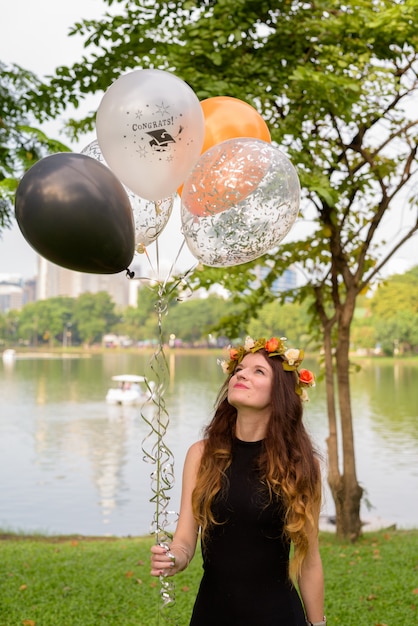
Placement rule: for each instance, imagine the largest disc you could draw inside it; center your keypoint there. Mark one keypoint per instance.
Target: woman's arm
(311, 581)
(182, 548)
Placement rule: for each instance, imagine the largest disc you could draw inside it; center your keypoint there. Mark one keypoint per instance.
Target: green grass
(373, 582)
(81, 581)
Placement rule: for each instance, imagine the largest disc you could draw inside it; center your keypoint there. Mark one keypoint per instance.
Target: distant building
(288, 280)
(29, 290)
(54, 280)
(15, 292)
(11, 296)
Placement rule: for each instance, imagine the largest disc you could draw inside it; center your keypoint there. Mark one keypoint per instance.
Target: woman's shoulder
(196, 449)
(193, 458)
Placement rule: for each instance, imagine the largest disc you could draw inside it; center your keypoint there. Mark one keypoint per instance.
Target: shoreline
(372, 524)
(326, 527)
(89, 351)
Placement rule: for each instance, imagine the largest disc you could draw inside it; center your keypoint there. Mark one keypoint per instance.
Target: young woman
(252, 487)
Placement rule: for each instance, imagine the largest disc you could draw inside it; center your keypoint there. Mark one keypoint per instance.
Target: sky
(34, 34)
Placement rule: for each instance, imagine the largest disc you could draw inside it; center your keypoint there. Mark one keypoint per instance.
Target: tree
(137, 320)
(363, 334)
(21, 145)
(193, 319)
(290, 320)
(395, 305)
(336, 84)
(89, 317)
(44, 321)
(94, 315)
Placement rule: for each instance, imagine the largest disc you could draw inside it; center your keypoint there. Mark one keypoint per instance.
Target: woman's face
(251, 384)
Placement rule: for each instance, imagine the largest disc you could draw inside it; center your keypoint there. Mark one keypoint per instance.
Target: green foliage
(140, 322)
(84, 582)
(289, 320)
(89, 317)
(389, 318)
(364, 335)
(43, 321)
(94, 315)
(398, 293)
(21, 145)
(192, 320)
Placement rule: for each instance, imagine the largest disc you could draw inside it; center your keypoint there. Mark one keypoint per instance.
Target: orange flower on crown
(307, 378)
(272, 344)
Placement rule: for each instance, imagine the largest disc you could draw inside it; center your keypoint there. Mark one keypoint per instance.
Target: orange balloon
(230, 118)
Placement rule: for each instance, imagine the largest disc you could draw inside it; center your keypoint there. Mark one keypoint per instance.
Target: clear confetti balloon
(240, 200)
(150, 217)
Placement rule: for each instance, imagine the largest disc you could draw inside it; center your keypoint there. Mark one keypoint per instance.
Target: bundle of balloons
(91, 211)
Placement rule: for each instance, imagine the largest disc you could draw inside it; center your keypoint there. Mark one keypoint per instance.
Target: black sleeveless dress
(245, 560)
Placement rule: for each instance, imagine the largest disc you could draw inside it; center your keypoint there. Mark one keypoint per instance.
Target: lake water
(71, 464)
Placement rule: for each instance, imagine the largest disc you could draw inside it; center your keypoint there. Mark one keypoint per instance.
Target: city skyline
(18, 257)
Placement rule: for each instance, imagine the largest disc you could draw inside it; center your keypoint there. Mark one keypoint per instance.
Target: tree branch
(376, 270)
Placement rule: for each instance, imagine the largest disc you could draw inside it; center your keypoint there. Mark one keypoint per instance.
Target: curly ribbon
(153, 446)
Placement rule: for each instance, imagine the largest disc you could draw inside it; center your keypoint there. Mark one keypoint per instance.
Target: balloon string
(149, 259)
(154, 448)
(175, 260)
(174, 285)
(158, 453)
(157, 253)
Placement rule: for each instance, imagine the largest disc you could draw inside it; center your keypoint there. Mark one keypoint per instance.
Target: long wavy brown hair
(288, 464)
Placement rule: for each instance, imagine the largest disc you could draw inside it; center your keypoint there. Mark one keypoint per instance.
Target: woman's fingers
(162, 561)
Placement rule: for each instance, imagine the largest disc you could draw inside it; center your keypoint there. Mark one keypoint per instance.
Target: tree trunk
(346, 491)
(334, 475)
(347, 496)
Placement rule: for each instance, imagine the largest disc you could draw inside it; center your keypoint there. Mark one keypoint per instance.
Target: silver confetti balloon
(239, 201)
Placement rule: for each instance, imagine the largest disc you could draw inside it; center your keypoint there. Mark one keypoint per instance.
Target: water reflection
(70, 463)
(98, 443)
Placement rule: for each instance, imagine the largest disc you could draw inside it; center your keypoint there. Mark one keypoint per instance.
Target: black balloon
(76, 213)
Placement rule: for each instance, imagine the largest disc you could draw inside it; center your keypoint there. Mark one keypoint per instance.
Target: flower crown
(291, 360)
